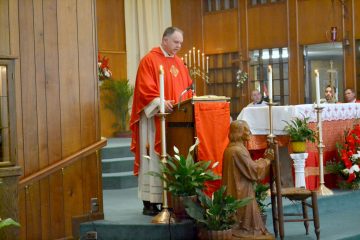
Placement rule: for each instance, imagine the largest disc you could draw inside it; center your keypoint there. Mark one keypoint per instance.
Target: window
(219, 5)
(259, 2)
(7, 149)
(278, 59)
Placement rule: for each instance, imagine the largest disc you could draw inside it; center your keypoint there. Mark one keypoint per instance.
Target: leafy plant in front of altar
(116, 96)
(8, 222)
(216, 213)
(241, 77)
(299, 131)
(183, 175)
(348, 163)
(261, 194)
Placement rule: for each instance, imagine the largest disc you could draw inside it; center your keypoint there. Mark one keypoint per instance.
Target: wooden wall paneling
(22, 213)
(88, 80)
(111, 28)
(315, 20)
(295, 82)
(190, 21)
(348, 22)
(266, 26)
(70, 107)
(41, 116)
(356, 12)
(243, 53)
(5, 28)
(33, 212)
(220, 32)
(51, 54)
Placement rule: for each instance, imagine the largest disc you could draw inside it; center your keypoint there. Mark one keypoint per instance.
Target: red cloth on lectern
(212, 121)
(147, 87)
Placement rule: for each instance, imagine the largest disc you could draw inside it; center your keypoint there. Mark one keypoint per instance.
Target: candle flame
(316, 72)
(161, 69)
(269, 68)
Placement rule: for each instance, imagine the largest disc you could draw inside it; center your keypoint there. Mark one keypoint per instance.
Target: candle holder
(322, 189)
(271, 135)
(165, 216)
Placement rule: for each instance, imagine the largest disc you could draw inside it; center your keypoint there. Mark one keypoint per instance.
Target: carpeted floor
(339, 216)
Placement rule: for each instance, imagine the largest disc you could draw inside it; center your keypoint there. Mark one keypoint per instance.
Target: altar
(336, 119)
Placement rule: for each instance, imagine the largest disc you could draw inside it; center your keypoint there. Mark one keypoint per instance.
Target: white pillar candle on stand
(162, 92)
(270, 83)
(317, 87)
(186, 60)
(194, 56)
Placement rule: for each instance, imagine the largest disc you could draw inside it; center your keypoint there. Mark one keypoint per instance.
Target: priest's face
(349, 95)
(329, 93)
(172, 43)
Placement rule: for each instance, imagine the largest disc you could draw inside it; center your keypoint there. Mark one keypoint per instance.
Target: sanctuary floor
(339, 214)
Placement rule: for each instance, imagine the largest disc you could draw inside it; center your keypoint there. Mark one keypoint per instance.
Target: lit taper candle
(162, 93)
(317, 87)
(270, 83)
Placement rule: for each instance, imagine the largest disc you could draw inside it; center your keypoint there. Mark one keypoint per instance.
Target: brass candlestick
(322, 190)
(165, 216)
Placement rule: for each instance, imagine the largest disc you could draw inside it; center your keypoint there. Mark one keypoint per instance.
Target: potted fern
(261, 194)
(299, 132)
(215, 215)
(116, 96)
(184, 177)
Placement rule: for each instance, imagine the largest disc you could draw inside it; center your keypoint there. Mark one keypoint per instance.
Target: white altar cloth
(258, 117)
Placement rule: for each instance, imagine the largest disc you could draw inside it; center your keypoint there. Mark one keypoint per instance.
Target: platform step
(123, 164)
(119, 180)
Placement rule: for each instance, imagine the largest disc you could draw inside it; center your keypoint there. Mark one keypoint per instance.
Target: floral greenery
(241, 77)
(103, 68)
(116, 98)
(261, 195)
(216, 213)
(299, 131)
(8, 222)
(183, 175)
(349, 159)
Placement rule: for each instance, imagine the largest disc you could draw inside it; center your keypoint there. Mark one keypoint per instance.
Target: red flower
(351, 178)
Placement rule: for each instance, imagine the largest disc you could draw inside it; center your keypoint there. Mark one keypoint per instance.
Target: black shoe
(150, 209)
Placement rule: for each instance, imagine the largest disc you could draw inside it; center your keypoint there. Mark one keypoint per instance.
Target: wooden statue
(239, 174)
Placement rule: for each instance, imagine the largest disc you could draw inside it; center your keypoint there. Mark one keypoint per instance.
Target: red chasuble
(147, 87)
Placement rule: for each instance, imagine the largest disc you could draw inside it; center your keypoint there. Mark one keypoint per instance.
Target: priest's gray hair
(170, 30)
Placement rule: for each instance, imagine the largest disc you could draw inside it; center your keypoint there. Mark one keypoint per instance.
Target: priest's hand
(169, 105)
(269, 154)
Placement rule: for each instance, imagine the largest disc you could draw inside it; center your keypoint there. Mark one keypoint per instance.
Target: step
(117, 148)
(112, 165)
(119, 180)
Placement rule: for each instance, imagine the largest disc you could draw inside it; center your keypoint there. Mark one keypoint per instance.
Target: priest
(144, 123)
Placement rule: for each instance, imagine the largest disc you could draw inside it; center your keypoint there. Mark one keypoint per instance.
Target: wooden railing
(62, 163)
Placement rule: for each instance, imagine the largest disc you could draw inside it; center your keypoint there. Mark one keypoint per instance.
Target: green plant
(261, 195)
(183, 175)
(215, 213)
(116, 96)
(299, 131)
(8, 222)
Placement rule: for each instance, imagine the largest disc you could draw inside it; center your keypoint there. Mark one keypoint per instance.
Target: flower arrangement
(103, 68)
(241, 77)
(348, 164)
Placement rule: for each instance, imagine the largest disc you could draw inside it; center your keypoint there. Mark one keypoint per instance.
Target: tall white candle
(317, 87)
(207, 64)
(270, 83)
(194, 56)
(162, 93)
(203, 62)
(189, 58)
(186, 60)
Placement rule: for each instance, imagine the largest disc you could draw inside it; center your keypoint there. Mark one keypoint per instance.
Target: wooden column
(295, 58)
(349, 44)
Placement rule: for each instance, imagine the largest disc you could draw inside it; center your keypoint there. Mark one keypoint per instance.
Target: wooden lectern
(181, 127)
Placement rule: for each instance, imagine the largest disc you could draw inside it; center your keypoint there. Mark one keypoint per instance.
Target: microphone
(190, 87)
